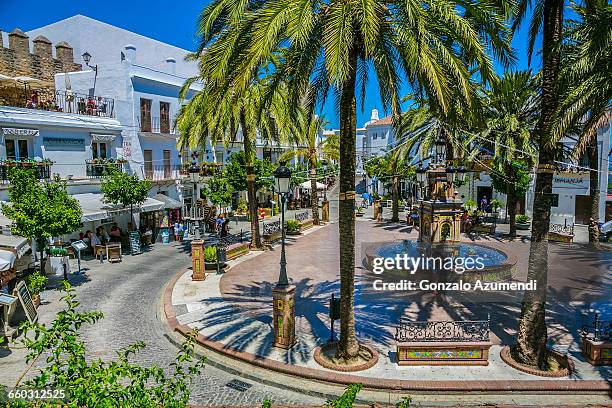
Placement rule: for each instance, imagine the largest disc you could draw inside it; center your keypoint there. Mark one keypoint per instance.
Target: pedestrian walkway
(235, 309)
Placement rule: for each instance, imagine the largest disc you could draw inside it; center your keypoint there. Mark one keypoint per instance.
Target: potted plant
(522, 222)
(496, 205)
(36, 283)
(470, 204)
(210, 259)
(293, 227)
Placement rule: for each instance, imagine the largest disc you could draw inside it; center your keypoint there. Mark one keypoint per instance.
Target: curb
(468, 386)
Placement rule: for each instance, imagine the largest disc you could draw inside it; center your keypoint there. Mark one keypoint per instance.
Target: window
(219, 157)
(99, 150)
(145, 115)
(167, 168)
(374, 136)
(164, 117)
(16, 149)
(554, 200)
(148, 164)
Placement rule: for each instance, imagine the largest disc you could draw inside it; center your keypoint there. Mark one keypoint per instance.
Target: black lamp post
(87, 57)
(194, 176)
(282, 176)
(421, 176)
(440, 147)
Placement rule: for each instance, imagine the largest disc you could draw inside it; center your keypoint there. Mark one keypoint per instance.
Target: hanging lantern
(421, 175)
(440, 147)
(450, 174)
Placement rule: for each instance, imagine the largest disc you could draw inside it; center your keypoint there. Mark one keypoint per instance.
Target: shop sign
(127, 149)
(576, 180)
(64, 143)
(102, 138)
(20, 132)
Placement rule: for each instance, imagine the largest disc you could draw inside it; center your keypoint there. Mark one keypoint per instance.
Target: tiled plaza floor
(235, 308)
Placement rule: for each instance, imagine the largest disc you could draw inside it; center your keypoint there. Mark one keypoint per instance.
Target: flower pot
(522, 226)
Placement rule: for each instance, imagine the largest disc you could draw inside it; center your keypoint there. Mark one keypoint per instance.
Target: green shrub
(242, 207)
(522, 218)
(210, 254)
(292, 225)
(470, 204)
(404, 403)
(496, 204)
(36, 282)
(347, 399)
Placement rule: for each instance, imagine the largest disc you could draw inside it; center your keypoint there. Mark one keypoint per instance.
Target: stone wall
(16, 60)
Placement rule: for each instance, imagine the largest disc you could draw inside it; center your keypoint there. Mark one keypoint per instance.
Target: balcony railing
(154, 124)
(61, 101)
(42, 170)
(162, 172)
(207, 169)
(97, 169)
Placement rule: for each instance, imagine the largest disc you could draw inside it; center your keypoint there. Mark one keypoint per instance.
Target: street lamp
(87, 57)
(194, 176)
(461, 173)
(450, 174)
(440, 147)
(282, 176)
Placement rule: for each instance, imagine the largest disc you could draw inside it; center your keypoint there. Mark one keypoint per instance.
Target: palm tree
(512, 112)
(587, 80)
(218, 116)
(394, 166)
(531, 348)
(309, 129)
(334, 45)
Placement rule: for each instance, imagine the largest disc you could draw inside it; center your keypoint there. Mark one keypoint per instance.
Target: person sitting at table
(115, 233)
(103, 235)
(32, 103)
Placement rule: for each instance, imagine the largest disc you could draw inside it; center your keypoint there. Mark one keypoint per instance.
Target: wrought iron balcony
(155, 124)
(162, 172)
(60, 101)
(42, 170)
(98, 168)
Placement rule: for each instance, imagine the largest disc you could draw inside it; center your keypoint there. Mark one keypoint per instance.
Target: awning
(169, 203)
(7, 259)
(14, 243)
(94, 208)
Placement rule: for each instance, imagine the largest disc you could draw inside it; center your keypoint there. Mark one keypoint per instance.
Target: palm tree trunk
(314, 198)
(532, 332)
(593, 155)
(348, 347)
(395, 199)
(511, 200)
(249, 156)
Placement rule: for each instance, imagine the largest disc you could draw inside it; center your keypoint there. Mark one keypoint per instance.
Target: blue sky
(172, 22)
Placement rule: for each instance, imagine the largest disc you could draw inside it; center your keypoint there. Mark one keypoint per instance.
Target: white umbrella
(306, 185)
(32, 82)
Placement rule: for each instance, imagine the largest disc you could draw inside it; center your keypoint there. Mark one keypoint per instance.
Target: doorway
(481, 192)
(582, 210)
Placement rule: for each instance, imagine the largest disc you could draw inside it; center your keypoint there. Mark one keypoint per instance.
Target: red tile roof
(386, 121)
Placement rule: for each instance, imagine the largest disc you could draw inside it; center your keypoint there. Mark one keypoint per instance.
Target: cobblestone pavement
(128, 294)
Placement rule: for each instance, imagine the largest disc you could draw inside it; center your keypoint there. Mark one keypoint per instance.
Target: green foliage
(124, 189)
(218, 190)
(347, 399)
(243, 207)
(404, 403)
(40, 210)
(520, 178)
(267, 403)
(522, 218)
(470, 204)
(331, 147)
(292, 225)
(496, 204)
(235, 173)
(90, 382)
(36, 282)
(299, 174)
(55, 251)
(210, 254)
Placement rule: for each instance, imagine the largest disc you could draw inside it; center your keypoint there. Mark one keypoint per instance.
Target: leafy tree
(40, 210)
(331, 147)
(511, 116)
(334, 46)
(90, 382)
(310, 127)
(218, 190)
(236, 174)
(124, 189)
(394, 166)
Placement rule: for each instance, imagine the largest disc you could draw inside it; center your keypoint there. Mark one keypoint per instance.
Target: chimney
(63, 52)
(18, 41)
(374, 115)
(171, 63)
(130, 53)
(42, 47)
